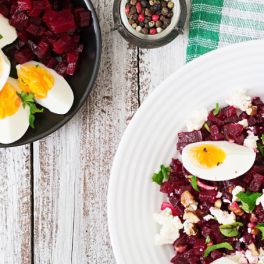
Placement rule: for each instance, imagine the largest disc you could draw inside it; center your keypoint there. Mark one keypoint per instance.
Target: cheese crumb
(208, 217)
(251, 141)
(260, 200)
(223, 217)
(236, 191)
(244, 123)
(170, 227)
(241, 100)
(197, 120)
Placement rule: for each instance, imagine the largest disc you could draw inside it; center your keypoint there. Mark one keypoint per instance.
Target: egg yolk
(9, 101)
(35, 79)
(208, 156)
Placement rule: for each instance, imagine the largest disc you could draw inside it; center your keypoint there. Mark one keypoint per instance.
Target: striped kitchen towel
(217, 23)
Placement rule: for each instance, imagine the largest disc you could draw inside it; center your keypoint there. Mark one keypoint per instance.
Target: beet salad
(213, 208)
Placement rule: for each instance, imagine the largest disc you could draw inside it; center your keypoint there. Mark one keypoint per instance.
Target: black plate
(82, 83)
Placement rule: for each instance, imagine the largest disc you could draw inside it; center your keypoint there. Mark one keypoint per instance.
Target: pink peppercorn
(141, 17)
(127, 10)
(138, 7)
(153, 31)
(155, 18)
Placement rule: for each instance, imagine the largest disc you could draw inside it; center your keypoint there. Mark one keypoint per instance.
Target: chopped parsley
(207, 240)
(194, 182)
(248, 200)
(230, 230)
(262, 138)
(29, 100)
(210, 249)
(1, 36)
(260, 148)
(162, 175)
(216, 110)
(207, 127)
(260, 227)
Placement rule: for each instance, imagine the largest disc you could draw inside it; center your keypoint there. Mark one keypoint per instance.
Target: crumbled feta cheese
(237, 258)
(191, 217)
(251, 259)
(189, 228)
(197, 120)
(241, 100)
(251, 141)
(260, 200)
(223, 217)
(219, 195)
(244, 123)
(170, 227)
(226, 201)
(208, 217)
(236, 191)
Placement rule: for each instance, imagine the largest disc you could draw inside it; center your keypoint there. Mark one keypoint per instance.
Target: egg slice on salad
(4, 69)
(217, 160)
(8, 33)
(49, 88)
(14, 118)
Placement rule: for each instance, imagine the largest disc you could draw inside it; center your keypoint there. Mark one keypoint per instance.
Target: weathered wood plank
(15, 205)
(158, 64)
(72, 166)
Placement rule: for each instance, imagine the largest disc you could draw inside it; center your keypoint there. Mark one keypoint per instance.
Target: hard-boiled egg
(49, 88)
(217, 160)
(8, 33)
(4, 69)
(14, 119)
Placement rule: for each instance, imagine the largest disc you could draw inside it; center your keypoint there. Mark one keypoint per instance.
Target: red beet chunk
(234, 132)
(64, 44)
(208, 196)
(4, 10)
(186, 138)
(257, 183)
(36, 8)
(33, 29)
(50, 62)
(23, 56)
(61, 21)
(61, 68)
(216, 135)
(19, 20)
(23, 5)
(82, 16)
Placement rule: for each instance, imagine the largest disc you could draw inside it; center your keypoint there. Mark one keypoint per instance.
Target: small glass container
(141, 40)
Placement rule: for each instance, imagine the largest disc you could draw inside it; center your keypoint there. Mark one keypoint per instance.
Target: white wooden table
(53, 193)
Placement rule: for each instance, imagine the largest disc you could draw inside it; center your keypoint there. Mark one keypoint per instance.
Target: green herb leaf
(262, 138)
(162, 175)
(207, 240)
(29, 100)
(248, 200)
(194, 182)
(207, 127)
(216, 110)
(209, 249)
(230, 230)
(261, 228)
(1, 36)
(260, 148)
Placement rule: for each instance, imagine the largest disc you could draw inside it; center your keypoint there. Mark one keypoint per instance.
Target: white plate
(150, 140)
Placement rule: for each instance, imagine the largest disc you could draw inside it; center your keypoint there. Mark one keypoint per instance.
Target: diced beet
(61, 68)
(50, 62)
(23, 56)
(229, 111)
(57, 23)
(186, 138)
(23, 5)
(217, 120)
(42, 49)
(257, 101)
(175, 211)
(36, 9)
(64, 44)
(33, 29)
(4, 10)
(19, 20)
(216, 135)
(257, 183)
(208, 196)
(83, 17)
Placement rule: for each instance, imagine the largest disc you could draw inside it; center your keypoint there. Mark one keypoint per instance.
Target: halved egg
(217, 160)
(49, 88)
(14, 118)
(8, 33)
(4, 69)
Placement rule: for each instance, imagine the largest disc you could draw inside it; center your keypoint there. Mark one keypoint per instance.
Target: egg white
(60, 98)
(6, 66)
(8, 32)
(12, 128)
(239, 160)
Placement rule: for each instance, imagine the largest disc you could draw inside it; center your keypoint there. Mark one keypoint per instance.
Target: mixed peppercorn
(149, 16)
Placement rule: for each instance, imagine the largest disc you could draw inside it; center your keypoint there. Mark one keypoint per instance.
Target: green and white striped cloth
(218, 23)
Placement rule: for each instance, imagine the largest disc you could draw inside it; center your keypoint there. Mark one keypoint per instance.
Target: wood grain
(15, 206)
(72, 166)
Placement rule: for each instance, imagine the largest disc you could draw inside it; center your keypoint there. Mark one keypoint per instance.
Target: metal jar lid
(149, 41)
